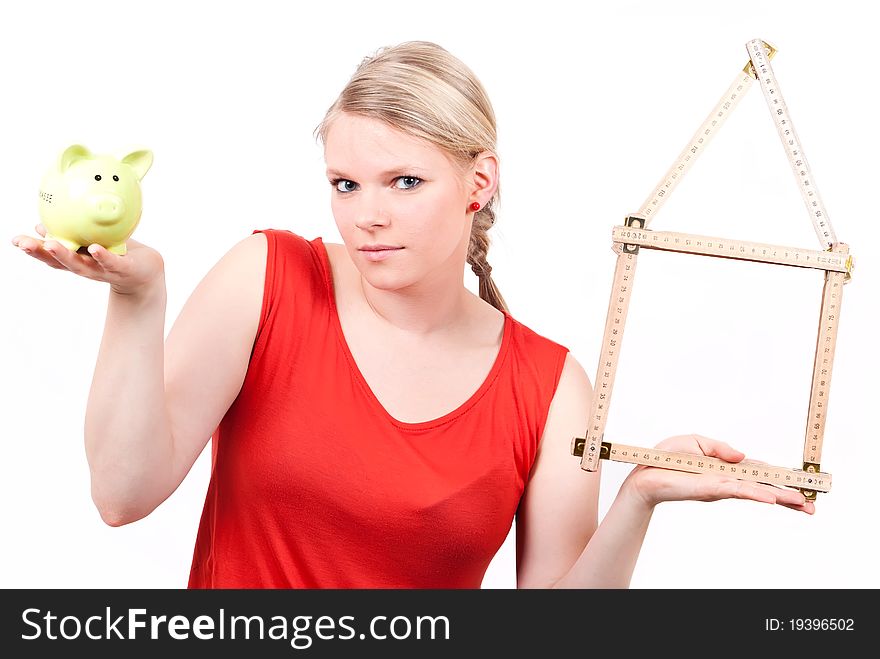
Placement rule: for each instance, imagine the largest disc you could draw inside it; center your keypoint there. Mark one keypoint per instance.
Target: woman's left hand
(655, 484)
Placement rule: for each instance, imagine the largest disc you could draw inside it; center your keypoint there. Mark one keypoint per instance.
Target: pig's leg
(118, 249)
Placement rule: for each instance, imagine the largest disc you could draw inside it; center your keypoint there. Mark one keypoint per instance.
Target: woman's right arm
(154, 403)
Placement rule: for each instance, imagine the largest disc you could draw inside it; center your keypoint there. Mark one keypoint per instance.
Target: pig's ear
(71, 154)
(139, 161)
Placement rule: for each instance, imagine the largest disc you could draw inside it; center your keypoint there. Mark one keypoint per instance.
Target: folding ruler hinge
(849, 266)
(579, 444)
(813, 468)
(634, 222)
(750, 68)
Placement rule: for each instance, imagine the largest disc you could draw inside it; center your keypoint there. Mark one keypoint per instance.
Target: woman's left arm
(559, 540)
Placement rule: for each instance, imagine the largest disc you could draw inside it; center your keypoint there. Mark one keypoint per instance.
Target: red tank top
(315, 485)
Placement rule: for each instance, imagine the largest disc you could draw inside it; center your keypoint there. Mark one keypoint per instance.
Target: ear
(139, 161)
(71, 154)
(483, 176)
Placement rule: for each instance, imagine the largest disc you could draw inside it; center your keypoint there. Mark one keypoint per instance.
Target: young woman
(374, 423)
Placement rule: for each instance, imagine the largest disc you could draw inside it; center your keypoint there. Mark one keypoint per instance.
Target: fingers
(791, 499)
(756, 491)
(92, 265)
(746, 490)
(59, 252)
(31, 245)
(716, 449)
(107, 260)
(62, 256)
(806, 507)
(95, 263)
(87, 261)
(35, 248)
(788, 498)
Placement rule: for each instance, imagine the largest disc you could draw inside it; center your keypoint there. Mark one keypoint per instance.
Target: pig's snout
(107, 208)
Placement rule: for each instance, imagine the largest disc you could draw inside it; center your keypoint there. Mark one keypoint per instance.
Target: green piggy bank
(86, 198)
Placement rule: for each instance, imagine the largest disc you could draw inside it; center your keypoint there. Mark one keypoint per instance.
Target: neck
(422, 310)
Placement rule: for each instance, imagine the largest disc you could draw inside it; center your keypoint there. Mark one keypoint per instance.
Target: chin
(387, 280)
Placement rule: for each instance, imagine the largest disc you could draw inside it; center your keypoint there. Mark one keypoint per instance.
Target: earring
(475, 206)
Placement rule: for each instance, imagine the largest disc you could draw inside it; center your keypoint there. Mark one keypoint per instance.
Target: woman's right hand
(129, 274)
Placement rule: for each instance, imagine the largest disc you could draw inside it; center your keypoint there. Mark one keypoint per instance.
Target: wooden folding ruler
(634, 235)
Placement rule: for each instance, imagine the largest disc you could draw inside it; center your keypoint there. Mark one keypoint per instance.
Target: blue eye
(410, 178)
(337, 181)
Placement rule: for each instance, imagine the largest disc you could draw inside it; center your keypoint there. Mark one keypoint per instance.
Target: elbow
(117, 514)
(114, 516)
(118, 508)
(112, 519)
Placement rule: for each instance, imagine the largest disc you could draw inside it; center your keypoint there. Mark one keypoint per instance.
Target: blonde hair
(419, 88)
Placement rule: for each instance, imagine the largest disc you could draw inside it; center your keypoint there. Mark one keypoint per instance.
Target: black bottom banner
(290, 623)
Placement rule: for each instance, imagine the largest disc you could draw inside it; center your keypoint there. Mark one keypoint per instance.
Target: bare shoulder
(570, 406)
(574, 379)
(256, 245)
(247, 259)
(247, 256)
(242, 268)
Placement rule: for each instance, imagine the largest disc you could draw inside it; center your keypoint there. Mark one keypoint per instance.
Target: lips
(379, 252)
(377, 248)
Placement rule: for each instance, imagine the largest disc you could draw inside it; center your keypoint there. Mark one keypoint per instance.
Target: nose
(370, 213)
(107, 208)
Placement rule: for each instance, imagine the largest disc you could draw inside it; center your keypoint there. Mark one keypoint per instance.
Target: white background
(593, 105)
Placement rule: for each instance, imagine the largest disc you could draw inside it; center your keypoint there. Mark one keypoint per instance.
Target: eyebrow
(404, 168)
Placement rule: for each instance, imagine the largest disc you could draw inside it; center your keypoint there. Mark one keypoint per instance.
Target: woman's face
(388, 188)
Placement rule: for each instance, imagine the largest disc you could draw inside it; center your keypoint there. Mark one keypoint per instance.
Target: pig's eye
(97, 177)
(115, 178)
